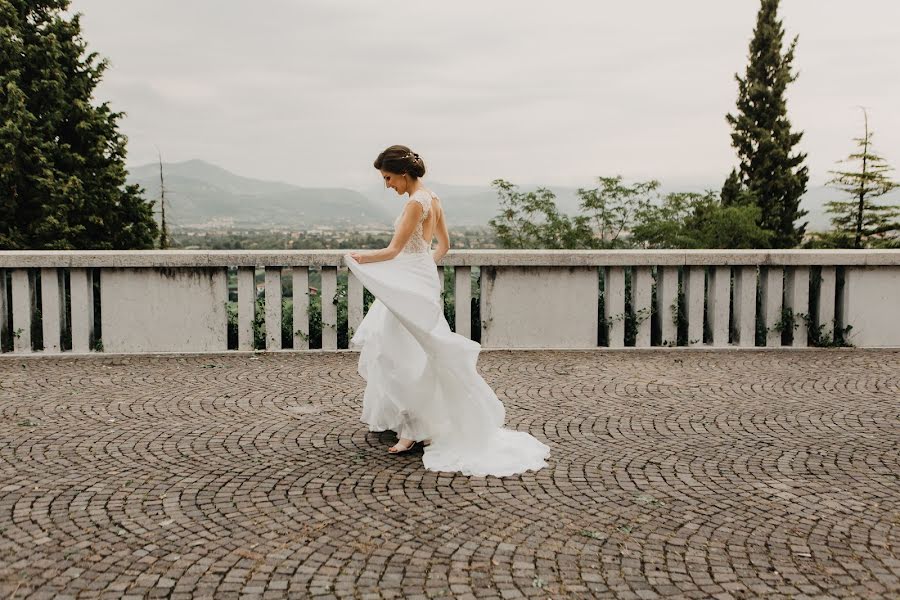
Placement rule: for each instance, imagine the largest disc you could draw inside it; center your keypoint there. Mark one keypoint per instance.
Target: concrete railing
(178, 301)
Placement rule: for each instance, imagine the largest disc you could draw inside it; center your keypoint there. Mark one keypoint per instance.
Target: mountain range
(198, 194)
(201, 194)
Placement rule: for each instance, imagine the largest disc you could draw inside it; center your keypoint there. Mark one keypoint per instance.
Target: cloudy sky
(309, 91)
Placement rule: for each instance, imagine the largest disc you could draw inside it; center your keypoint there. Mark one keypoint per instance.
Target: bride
(421, 380)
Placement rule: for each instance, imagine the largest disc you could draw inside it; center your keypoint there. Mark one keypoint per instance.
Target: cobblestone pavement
(680, 474)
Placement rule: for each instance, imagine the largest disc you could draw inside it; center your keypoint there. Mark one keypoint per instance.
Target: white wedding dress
(421, 380)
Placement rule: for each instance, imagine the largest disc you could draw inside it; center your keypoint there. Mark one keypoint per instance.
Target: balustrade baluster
(246, 307)
(329, 309)
(300, 286)
(81, 282)
(772, 282)
(615, 305)
(667, 304)
(694, 284)
(52, 303)
(273, 308)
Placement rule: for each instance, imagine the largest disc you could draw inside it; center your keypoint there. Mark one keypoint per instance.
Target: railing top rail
(14, 259)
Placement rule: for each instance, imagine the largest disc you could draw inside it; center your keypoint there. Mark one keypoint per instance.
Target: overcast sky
(309, 91)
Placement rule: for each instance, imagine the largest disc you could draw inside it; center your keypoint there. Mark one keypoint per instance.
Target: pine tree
(860, 221)
(762, 136)
(62, 158)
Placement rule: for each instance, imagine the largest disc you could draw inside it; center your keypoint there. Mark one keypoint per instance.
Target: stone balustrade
(178, 301)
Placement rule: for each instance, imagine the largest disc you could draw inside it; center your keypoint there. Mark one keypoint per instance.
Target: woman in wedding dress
(421, 380)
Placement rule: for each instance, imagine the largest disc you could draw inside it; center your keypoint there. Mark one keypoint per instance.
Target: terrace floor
(689, 474)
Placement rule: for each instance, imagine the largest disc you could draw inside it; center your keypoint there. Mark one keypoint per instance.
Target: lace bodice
(417, 242)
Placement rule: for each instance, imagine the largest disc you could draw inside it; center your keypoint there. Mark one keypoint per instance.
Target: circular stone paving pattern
(688, 474)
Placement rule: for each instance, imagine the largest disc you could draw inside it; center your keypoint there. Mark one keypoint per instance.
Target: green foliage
(531, 220)
(663, 225)
(619, 215)
(611, 208)
(861, 222)
(731, 190)
(691, 220)
(770, 171)
(62, 159)
(231, 312)
(719, 226)
(820, 335)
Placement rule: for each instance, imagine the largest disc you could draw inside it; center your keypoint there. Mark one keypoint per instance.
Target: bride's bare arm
(410, 218)
(443, 236)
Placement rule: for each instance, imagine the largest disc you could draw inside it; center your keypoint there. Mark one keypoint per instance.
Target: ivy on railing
(819, 335)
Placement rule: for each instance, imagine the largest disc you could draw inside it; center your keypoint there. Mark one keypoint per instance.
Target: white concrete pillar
(462, 300)
(745, 305)
(719, 304)
(273, 308)
(667, 304)
(614, 305)
(81, 282)
(246, 306)
(329, 309)
(641, 288)
(21, 311)
(52, 304)
(539, 307)
(161, 309)
(694, 284)
(772, 282)
(300, 285)
(797, 300)
(827, 302)
(871, 306)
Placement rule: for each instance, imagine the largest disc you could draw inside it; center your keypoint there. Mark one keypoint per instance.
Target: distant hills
(201, 194)
(198, 194)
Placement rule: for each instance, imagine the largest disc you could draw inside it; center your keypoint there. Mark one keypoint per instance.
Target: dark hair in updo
(402, 161)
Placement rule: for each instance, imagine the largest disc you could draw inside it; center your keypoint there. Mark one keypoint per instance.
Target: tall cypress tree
(761, 133)
(62, 158)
